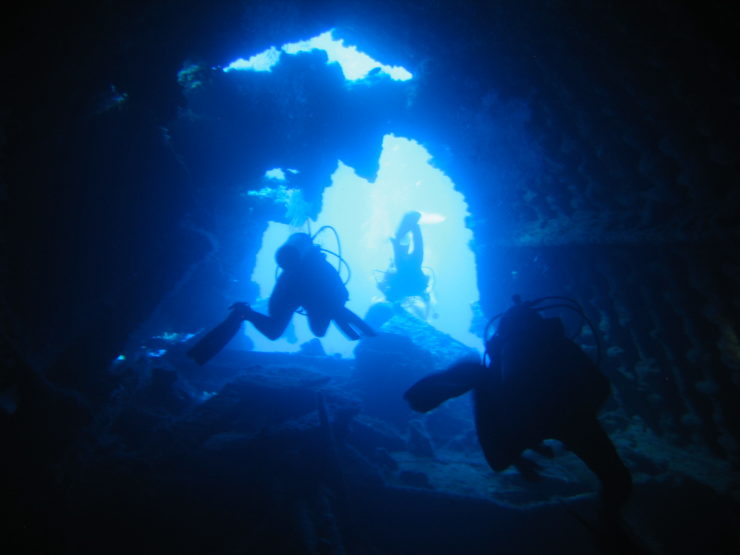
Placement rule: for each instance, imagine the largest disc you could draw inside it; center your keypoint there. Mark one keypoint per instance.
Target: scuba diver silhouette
(307, 281)
(405, 279)
(538, 384)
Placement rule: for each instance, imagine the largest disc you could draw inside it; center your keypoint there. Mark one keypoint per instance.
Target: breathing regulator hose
(340, 259)
(338, 255)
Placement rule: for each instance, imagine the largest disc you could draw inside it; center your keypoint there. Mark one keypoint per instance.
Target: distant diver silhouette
(307, 281)
(537, 385)
(406, 279)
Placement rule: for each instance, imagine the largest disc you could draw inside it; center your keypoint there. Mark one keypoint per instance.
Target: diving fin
(216, 339)
(352, 326)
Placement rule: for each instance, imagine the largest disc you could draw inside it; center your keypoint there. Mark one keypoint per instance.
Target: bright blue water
(366, 215)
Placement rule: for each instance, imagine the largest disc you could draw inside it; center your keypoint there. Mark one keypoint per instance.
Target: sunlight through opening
(355, 65)
(366, 215)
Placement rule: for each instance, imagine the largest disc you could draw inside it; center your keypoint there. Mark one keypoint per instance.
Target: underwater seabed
(293, 453)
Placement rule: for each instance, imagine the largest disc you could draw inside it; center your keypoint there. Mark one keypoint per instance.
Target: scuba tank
(525, 318)
(299, 246)
(295, 249)
(341, 262)
(533, 355)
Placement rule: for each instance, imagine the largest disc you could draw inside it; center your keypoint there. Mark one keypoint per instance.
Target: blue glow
(296, 207)
(189, 76)
(121, 358)
(175, 337)
(366, 215)
(264, 61)
(280, 194)
(276, 173)
(355, 65)
(111, 99)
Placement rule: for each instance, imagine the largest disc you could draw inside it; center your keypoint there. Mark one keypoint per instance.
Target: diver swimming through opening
(405, 285)
(307, 282)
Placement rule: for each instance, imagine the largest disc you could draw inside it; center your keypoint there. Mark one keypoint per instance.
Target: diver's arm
(430, 392)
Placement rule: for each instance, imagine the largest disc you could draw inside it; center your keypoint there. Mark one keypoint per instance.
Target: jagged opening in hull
(365, 211)
(355, 65)
(365, 214)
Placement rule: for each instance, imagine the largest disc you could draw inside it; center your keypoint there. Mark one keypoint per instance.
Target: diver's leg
(318, 323)
(271, 326)
(594, 447)
(283, 303)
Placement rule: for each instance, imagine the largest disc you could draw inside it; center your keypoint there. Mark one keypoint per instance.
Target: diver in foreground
(308, 281)
(537, 385)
